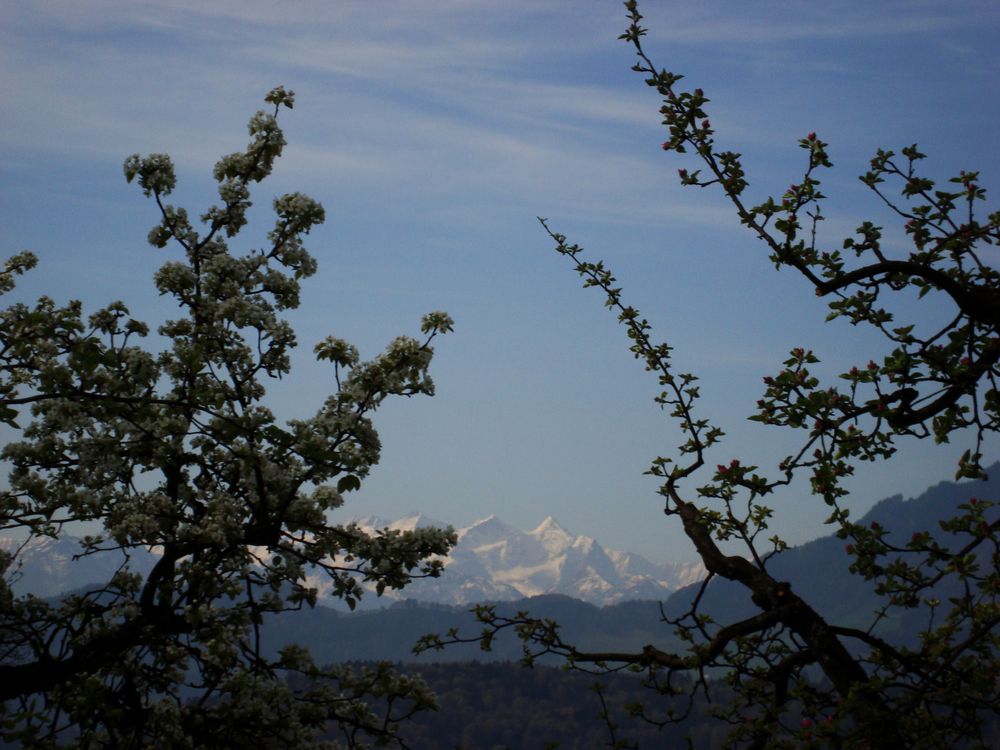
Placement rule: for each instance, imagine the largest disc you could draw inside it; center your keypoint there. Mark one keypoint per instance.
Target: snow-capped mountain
(495, 561)
(492, 561)
(48, 567)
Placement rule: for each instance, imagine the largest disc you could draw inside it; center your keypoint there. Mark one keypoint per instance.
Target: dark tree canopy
(796, 675)
(173, 449)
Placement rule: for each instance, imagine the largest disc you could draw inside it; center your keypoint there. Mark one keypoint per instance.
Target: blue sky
(434, 133)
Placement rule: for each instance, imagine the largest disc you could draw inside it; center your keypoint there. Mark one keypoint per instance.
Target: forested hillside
(503, 706)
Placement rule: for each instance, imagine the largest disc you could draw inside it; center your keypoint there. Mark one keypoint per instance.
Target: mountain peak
(553, 537)
(413, 521)
(369, 522)
(485, 531)
(549, 524)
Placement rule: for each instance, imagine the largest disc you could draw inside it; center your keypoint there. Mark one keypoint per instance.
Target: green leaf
(348, 483)
(9, 416)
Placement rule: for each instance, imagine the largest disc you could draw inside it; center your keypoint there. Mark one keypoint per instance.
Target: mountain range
(49, 567)
(496, 562)
(492, 561)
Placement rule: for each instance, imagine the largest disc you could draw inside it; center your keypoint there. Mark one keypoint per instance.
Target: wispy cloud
(774, 21)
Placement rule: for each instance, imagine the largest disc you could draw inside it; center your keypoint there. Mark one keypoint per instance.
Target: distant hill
(501, 706)
(504, 707)
(391, 633)
(818, 570)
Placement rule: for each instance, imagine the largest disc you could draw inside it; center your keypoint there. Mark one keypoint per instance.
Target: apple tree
(167, 444)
